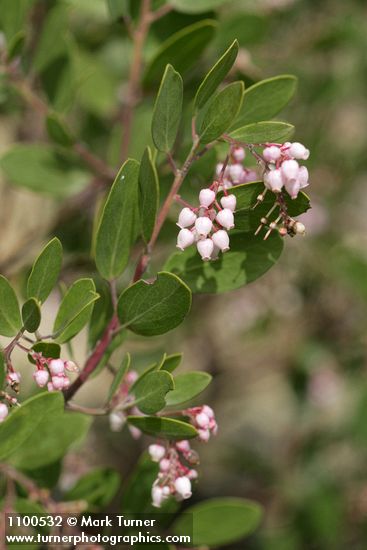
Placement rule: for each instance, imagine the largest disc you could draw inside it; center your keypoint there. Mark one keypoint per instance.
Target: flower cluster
(176, 460)
(52, 372)
(283, 170)
(235, 173)
(208, 224)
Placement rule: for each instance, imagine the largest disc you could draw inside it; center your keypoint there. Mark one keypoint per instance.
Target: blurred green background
(288, 353)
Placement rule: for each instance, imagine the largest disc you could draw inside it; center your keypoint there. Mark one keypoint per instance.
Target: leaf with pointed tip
(216, 75)
(171, 362)
(117, 227)
(182, 49)
(151, 390)
(45, 271)
(75, 310)
(220, 112)
(187, 386)
(159, 426)
(249, 258)
(10, 320)
(119, 376)
(31, 315)
(266, 98)
(263, 132)
(167, 110)
(149, 194)
(57, 131)
(154, 308)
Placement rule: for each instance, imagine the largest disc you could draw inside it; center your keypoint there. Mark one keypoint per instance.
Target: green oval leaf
(167, 110)
(25, 420)
(196, 6)
(266, 98)
(151, 390)
(187, 386)
(162, 427)
(220, 112)
(149, 194)
(119, 376)
(171, 362)
(219, 521)
(48, 350)
(45, 271)
(182, 50)
(97, 487)
(117, 228)
(154, 308)
(31, 315)
(263, 132)
(10, 321)
(75, 310)
(216, 75)
(57, 131)
(248, 219)
(248, 259)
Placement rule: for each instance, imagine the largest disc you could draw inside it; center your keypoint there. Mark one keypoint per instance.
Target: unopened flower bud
(186, 218)
(4, 411)
(272, 153)
(249, 176)
(299, 228)
(183, 446)
(71, 366)
(225, 218)
(50, 387)
(239, 154)
(298, 151)
(229, 201)
(303, 177)
(293, 188)
(156, 452)
(273, 180)
(204, 435)
(236, 172)
(208, 411)
(41, 377)
(183, 487)
(202, 420)
(131, 377)
(290, 170)
(66, 383)
(58, 382)
(203, 225)
(164, 465)
(221, 240)
(57, 366)
(205, 248)
(192, 474)
(157, 496)
(206, 197)
(14, 377)
(117, 420)
(185, 238)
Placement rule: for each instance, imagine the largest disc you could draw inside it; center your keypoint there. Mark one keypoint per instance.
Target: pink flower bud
(203, 226)
(202, 420)
(298, 151)
(58, 382)
(157, 496)
(206, 197)
(225, 218)
(135, 432)
(221, 240)
(57, 366)
(204, 435)
(131, 377)
(117, 420)
(303, 177)
(156, 452)
(183, 446)
(239, 154)
(183, 487)
(50, 387)
(14, 377)
(218, 169)
(229, 201)
(299, 228)
(236, 172)
(185, 238)
(41, 377)
(71, 366)
(208, 411)
(290, 170)
(292, 188)
(66, 383)
(3, 412)
(192, 474)
(272, 153)
(186, 218)
(164, 465)
(249, 175)
(273, 180)
(205, 248)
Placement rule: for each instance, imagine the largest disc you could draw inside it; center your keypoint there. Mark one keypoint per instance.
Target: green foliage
(48, 349)
(171, 362)
(196, 6)
(219, 521)
(117, 228)
(118, 8)
(57, 131)
(266, 98)
(167, 110)
(149, 194)
(187, 386)
(216, 75)
(150, 391)
(2, 369)
(220, 112)
(249, 258)
(45, 271)
(10, 320)
(263, 132)
(97, 487)
(41, 168)
(31, 315)
(181, 49)
(12, 16)
(75, 309)
(48, 47)
(154, 308)
(119, 377)
(161, 427)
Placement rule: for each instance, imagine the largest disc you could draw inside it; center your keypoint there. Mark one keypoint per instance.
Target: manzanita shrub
(232, 225)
